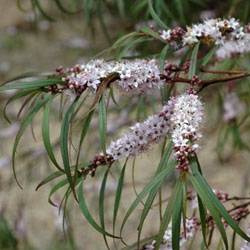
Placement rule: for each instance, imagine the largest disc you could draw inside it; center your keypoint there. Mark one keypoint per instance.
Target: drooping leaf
(176, 221)
(13, 98)
(163, 164)
(168, 213)
(193, 62)
(43, 13)
(150, 32)
(30, 85)
(203, 195)
(87, 214)
(156, 17)
(46, 135)
(209, 55)
(22, 128)
(102, 124)
(118, 194)
(219, 207)
(158, 178)
(101, 205)
(64, 143)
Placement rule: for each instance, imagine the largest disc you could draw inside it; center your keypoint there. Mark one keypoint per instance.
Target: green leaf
(220, 208)
(30, 85)
(102, 124)
(88, 14)
(22, 128)
(64, 143)
(142, 243)
(204, 196)
(83, 134)
(233, 241)
(150, 32)
(101, 19)
(55, 188)
(118, 194)
(87, 214)
(129, 45)
(101, 205)
(45, 133)
(158, 178)
(49, 178)
(179, 7)
(112, 95)
(163, 57)
(43, 13)
(64, 10)
(208, 56)
(156, 17)
(192, 68)
(202, 211)
(168, 213)
(176, 221)
(13, 98)
(163, 164)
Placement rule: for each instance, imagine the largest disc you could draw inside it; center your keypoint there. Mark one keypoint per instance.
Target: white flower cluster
(143, 135)
(216, 30)
(138, 75)
(246, 244)
(234, 47)
(185, 123)
(90, 73)
(135, 76)
(182, 115)
(232, 107)
(191, 228)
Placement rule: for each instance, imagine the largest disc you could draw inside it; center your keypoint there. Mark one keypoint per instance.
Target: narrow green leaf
(142, 243)
(64, 143)
(156, 17)
(220, 208)
(101, 20)
(112, 95)
(30, 85)
(192, 68)
(168, 213)
(55, 188)
(209, 55)
(179, 7)
(131, 44)
(83, 134)
(102, 124)
(43, 13)
(46, 135)
(202, 211)
(63, 9)
(87, 214)
(153, 192)
(204, 196)
(118, 194)
(176, 221)
(49, 178)
(150, 32)
(101, 205)
(233, 241)
(22, 128)
(13, 98)
(163, 57)
(158, 178)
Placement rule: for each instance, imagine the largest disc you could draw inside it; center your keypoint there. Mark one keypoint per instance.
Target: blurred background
(31, 42)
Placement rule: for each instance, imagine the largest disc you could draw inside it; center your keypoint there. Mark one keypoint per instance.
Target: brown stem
(206, 83)
(230, 72)
(239, 206)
